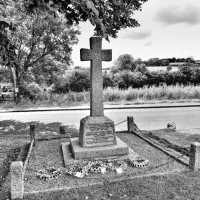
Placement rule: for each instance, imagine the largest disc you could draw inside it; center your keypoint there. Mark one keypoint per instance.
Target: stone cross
(96, 55)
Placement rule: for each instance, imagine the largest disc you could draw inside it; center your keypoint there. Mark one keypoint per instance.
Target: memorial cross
(96, 55)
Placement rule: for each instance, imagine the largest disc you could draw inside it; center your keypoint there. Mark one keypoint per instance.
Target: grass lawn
(183, 185)
(182, 138)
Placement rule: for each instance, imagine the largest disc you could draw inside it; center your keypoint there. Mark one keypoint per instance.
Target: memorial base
(96, 131)
(73, 153)
(120, 149)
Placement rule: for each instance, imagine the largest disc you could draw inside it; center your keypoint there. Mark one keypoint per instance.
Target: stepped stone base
(73, 153)
(98, 152)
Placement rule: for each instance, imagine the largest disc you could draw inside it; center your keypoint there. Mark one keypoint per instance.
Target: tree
(78, 80)
(43, 46)
(186, 71)
(4, 75)
(190, 60)
(124, 78)
(153, 62)
(108, 17)
(173, 60)
(108, 80)
(141, 68)
(169, 68)
(165, 62)
(124, 62)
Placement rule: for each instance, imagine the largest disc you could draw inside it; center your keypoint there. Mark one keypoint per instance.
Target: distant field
(152, 68)
(158, 68)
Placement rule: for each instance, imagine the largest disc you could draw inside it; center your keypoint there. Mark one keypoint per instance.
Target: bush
(137, 79)
(75, 81)
(79, 80)
(31, 91)
(108, 81)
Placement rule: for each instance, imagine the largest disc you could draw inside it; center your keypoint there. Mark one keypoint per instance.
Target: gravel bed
(48, 154)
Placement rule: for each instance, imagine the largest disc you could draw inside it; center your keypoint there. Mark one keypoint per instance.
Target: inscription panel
(99, 134)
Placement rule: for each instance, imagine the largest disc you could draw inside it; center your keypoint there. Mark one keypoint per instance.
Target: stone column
(17, 180)
(194, 162)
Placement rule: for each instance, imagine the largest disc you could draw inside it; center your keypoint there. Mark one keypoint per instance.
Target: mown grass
(144, 95)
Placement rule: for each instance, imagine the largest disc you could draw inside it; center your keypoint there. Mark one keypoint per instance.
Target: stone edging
(17, 175)
(28, 154)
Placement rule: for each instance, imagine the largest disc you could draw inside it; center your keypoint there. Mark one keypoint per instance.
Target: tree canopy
(124, 62)
(108, 17)
(43, 45)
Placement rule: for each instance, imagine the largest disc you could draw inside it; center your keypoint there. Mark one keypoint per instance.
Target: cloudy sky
(168, 29)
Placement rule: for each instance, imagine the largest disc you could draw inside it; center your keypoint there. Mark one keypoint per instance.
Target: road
(146, 119)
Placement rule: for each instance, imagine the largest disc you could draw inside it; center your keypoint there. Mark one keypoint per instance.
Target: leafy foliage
(108, 80)
(167, 61)
(43, 45)
(77, 80)
(7, 49)
(108, 17)
(124, 62)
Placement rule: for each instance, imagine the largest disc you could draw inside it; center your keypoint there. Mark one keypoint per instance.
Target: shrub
(108, 81)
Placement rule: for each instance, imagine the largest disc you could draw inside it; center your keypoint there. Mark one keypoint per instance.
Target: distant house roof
(177, 63)
(197, 61)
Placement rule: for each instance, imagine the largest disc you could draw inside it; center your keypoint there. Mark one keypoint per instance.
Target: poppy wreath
(139, 162)
(95, 167)
(48, 173)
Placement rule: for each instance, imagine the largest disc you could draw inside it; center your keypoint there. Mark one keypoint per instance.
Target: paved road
(149, 119)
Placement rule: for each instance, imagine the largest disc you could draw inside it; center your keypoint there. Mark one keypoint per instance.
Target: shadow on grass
(17, 128)
(193, 138)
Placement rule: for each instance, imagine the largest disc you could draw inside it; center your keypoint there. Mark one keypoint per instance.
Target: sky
(168, 29)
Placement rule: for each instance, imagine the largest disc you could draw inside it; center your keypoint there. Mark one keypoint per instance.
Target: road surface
(146, 119)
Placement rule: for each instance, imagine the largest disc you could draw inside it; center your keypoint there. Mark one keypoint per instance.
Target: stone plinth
(96, 131)
(119, 149)
(194, 162)
(17, 180)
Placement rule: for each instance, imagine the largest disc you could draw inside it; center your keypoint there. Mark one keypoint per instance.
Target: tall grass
(164, 92)
(53, 99)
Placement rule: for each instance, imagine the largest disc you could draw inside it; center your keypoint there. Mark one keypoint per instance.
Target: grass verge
(182, 186)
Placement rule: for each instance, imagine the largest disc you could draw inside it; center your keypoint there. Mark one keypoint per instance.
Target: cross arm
(106, 55)
(86, 54)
